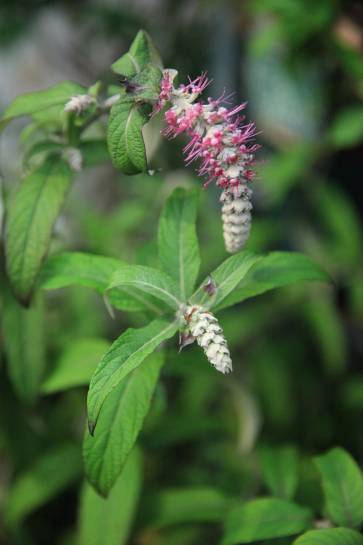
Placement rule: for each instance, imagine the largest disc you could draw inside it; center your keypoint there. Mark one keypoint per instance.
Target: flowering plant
(125, 378)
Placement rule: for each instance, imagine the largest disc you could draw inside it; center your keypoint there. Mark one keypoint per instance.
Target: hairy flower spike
(78, 104)
(236, 217)
(220, 141)
(204, 327)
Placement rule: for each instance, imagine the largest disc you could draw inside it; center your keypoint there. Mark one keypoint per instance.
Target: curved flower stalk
(203, 326)
(221, 141)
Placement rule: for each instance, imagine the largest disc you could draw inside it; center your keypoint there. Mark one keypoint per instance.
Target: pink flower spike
(219, 138)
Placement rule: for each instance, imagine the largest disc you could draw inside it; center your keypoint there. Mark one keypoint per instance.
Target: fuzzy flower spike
(220, 140)
(203, 326)
(79, 104)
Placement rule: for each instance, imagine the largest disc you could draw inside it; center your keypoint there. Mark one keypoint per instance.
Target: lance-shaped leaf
(177, 240)
(48, 476)
(124, 355)
(119, 424)
(76, 365)
(38, 101)
(186, 505)
(141, 53)
(146, 280)
(24, 342)
(330, 536)
(225, 279)
(40, 150)
(274, 271)
(280, 470)
(265, 518)
(124, 136)
(93, 271)
(78, 268)
(343, 487)
(31, 216)
(115, 513)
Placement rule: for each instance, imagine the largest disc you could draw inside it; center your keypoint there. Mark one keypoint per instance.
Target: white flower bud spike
(78, 104)
(204, 327)
(236, 217)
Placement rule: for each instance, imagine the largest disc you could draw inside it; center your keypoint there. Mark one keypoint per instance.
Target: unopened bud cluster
(204, 327)
(221, 141)
(78, 104)
(236, 217)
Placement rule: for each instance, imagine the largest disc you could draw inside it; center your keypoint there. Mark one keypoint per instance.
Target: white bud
(209, 335)
(236, 217)
(74, 158)
(78, 104)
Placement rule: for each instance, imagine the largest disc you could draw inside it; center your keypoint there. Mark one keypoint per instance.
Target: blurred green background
(297, 353)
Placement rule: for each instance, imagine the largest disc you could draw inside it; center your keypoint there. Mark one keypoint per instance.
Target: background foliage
(217, 455)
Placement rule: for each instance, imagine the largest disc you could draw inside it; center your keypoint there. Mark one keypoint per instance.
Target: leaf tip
(91, 427)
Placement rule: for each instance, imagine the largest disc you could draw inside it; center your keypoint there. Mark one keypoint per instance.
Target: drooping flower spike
(203, 327)
(221, 141)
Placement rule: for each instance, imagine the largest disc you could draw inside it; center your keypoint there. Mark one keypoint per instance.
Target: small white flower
(204, 327)
(78, 104)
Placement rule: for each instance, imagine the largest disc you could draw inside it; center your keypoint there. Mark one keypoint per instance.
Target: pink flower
(219, 138)
(222, 143)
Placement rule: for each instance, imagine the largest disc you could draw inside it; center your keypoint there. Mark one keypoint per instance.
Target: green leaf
(125, 354)
(343, 487)
(47, 477)
(177, 240)
(226, 277)
(278, 541)
(91, 271)
(119, 424)
(187, 505)
(76, 365)
(147, 84)
(24, 341)
(280, 470)
(275, 270)
(347, 128)
(41, 148)
(115, 513)
(265, 518)
(330, 536)
(78, 268)
(141, 53)
(37, 101)
(31, 216)
(124, 136)
(146, 280)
